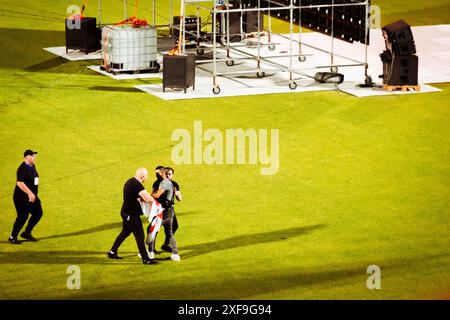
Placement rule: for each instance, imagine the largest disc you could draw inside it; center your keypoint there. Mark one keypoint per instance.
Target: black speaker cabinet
(179, 72)
(400, 70)
(82, 35)
(190, 25)
(399, 38)
(251, 22)
(234, 26)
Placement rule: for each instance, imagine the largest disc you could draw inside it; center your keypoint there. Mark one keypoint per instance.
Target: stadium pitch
(361, 182)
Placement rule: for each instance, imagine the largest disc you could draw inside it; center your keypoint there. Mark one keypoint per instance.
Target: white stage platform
(432, 43)
(126, 76)
(74, 55)
(231, 88)
(433, 49)
(353, 89)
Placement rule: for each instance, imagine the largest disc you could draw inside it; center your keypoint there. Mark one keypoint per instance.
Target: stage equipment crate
(179, 71)
(129, 49)
(82, 34)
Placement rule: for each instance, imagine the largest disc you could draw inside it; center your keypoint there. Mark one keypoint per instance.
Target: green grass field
(361, 181)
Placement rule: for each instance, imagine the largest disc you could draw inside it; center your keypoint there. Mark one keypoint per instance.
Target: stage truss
(234, 52)
(220, 45)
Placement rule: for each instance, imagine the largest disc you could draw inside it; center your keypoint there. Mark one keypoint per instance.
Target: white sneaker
(151, 255)
(175, 257)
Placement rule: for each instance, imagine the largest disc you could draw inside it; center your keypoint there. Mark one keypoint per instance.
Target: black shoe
(113, 255)
(14, 240)
(28, 236)
(166, 248)
(149, 261)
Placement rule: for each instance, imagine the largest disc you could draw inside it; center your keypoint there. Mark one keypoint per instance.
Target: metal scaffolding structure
(221, 9)
(225, 51)
(153, 11)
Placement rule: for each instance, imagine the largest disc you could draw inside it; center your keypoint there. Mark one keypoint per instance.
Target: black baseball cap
(29, 153)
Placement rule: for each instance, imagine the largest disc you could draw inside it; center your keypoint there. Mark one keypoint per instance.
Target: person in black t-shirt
(26, 198)
(158, 178)
(133, 192)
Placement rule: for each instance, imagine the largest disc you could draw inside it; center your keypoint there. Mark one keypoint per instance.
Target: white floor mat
(126, 76)
(74, 55)
(432, 43)
(353, 89)
(433, 49)
(230, 88)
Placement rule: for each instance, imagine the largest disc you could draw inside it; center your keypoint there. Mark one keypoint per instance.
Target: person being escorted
(133, 192)
(179, 197)
(165, 194)
(26, 200)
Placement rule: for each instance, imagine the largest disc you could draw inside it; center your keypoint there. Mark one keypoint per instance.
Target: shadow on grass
(249, 284)
(67, 257)
(23, 49)
(109, 226)
(246, 240)
(93, 257)
(46, 65)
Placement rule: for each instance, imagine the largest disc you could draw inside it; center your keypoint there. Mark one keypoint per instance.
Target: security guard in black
(24, 202)
(130, 212)
(26, 174)
(131, 205)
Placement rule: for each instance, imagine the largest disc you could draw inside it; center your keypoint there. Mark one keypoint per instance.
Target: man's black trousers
(131, 224)
(24, 208)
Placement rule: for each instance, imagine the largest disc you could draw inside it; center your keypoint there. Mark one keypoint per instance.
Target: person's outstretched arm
(146, 196)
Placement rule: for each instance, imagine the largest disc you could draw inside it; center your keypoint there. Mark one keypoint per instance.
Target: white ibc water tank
(125, 48)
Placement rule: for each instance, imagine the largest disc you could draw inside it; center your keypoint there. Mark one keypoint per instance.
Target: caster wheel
(292, 85)
(157, 67)
(216, 90)
(368, 81)
(230, 63)
(200, 51)
(272, 47)
(334, 69)
(302, 58)
(261, 74)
